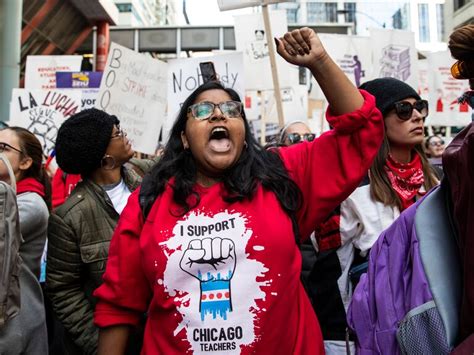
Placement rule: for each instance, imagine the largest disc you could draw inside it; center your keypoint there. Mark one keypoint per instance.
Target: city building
(146, 12)
(426, 18)
(458, 13)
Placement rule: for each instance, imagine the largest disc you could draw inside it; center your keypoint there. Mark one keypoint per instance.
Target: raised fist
(209, 259)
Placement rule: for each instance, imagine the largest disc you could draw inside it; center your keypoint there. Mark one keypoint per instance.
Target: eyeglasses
(6, 147)
(204, 110)
(296, 137)
(120, 133)
(436, 143)
(404, 109)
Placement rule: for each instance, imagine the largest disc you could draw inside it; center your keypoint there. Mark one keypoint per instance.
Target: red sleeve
(328, 169)
(125, 294)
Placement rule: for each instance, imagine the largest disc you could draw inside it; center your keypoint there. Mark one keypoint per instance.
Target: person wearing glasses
(92, 144)
(399, 175)
(208, 246)
(26, 333)
(434, 148)
(296, 132)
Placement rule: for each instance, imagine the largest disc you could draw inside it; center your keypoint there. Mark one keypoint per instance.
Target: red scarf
(406, 179)
(29, 185)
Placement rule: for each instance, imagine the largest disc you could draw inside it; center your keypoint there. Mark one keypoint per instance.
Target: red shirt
(225, 278)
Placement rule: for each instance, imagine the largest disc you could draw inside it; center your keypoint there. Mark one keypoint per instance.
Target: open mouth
(219, 140)
(219, 133)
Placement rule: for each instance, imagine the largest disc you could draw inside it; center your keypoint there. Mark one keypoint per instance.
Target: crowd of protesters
(309, 245)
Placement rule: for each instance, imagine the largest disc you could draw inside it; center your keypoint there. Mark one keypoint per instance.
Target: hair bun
(461, 43)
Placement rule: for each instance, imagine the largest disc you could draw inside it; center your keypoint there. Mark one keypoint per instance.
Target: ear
(184, 140)
(25, 164)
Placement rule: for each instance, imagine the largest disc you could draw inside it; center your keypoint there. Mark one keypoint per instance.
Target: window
(459, 3)
(292, 15)
(440, 22)
(124, 7)
(322, 12)
(350, 7)
(424, 21)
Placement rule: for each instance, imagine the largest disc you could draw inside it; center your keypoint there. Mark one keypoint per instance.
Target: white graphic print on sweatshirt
(214, 282)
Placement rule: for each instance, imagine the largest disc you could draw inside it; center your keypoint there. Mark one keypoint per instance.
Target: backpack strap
(4, 158)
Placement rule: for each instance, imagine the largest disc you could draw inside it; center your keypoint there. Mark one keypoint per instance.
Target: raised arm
(303, 47)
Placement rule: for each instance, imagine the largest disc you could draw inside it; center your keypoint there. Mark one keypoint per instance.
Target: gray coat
(26, 333)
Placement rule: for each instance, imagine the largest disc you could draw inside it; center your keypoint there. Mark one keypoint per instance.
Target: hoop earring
(107, 162)
(246, 145)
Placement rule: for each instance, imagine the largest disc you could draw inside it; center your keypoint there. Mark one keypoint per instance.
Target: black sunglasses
(6, 147)
(404, 109)
(296, 137)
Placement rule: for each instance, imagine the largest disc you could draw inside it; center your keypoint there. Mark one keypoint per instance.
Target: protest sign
(134, 89)
(444, 92)
(78, 80)
(294, 103)
(40, 71)
(351, 54)
(250, 39)
(88, 98)
(394, 55)
(43, 111)
(184, 76)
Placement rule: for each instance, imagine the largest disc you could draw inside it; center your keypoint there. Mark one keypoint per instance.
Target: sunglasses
(203, 110)
(296, 137)
(436, 143)
(6, 147)
(404, 109)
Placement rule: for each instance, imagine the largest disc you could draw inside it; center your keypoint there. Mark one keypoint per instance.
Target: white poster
(184, 76)
(394, 55)
(251, 40)
(133, 88)
(43, 111)
(294, 103)
(89, 98)
(352, 54)
(40, 71)
(444, 93)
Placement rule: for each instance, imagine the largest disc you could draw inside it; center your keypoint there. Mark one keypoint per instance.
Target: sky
(206, 12)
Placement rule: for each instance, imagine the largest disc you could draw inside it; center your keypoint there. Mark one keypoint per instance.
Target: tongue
(220, 145)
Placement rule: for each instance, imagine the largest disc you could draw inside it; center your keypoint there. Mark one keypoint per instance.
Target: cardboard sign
(184, 76)
(251, 40)
(43, 111)
(134, 89)
(40, 71)
(444, 92)
(394, 55)
(78, 80)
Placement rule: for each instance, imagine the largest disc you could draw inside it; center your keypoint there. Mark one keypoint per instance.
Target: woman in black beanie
(92, 144)
(399, 175)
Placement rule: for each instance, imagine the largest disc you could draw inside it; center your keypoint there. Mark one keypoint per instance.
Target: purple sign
(78, 80)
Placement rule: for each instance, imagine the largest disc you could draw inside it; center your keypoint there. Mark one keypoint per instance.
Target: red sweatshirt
(225, 278)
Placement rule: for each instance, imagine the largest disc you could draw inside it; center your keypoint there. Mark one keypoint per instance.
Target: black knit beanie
(388, 91)
(83, 139)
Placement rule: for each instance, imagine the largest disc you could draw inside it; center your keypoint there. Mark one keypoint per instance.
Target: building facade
(146, 12)
(426, 18)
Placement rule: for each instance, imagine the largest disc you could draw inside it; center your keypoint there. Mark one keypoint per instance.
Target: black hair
(255, 166)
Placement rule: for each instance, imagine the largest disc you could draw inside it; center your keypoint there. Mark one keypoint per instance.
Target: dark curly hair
(255, 166)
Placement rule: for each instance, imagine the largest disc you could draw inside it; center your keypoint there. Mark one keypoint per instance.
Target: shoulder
(73, 203)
